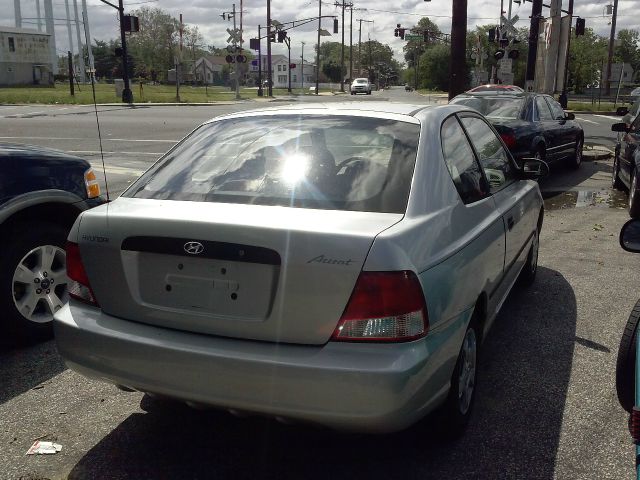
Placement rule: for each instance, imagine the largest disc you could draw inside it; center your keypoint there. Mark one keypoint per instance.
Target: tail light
(79, 287)
(384, 307)
(509, 139)
(91, 183)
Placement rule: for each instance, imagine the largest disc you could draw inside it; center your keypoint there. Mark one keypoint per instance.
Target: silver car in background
(335, 265)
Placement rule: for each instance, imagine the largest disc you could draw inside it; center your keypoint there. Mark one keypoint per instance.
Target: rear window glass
(493, 107)
(327, 162)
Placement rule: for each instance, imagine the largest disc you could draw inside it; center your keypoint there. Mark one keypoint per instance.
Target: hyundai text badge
(193, 248)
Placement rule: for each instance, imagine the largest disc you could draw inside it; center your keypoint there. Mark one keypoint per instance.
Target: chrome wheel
(467, 378)
(535, 246)
(614, 172)
(578, 157)
(40, 283)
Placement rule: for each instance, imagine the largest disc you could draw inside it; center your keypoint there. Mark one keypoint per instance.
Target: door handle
(510, 223)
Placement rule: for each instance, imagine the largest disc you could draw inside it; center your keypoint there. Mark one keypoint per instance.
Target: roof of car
(376, 108)
(502, 94)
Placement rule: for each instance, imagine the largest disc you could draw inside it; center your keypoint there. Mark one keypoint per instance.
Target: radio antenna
(92, 76)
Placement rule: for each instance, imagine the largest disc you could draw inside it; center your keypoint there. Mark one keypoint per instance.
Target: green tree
(433, 67)
(105, 61)
(627, 49)
(587, 55)
(414, 48)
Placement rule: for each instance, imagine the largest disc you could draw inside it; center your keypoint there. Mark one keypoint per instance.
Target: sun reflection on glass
(294, 168)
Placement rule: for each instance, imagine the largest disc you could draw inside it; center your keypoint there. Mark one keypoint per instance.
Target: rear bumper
(375, 388)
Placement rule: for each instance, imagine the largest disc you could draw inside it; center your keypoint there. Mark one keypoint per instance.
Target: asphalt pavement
(546, 405)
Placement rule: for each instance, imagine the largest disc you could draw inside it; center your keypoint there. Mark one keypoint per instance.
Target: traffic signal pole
(534, 30)
(612, 38)
(458, 48)
(269, 82)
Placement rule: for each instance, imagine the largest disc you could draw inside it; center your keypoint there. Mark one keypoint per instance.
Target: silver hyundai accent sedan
(337, 265)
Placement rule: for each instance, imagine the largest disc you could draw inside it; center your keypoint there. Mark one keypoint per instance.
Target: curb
(593, 152)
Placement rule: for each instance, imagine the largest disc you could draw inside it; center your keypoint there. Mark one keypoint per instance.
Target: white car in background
(361, 85)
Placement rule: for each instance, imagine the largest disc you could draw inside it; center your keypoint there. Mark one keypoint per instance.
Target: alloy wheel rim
(614, 172)
(632, 190)
(467, 378)
(39, 285)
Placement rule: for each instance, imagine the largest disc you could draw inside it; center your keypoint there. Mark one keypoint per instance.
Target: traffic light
(254, 43)
(580, 24)
(281, 36)
(335, 25)
(272, 37)
(130, 23)
(395, 32)
(401, 32)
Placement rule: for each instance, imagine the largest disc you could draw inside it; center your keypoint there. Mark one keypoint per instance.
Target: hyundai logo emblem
(193, 248)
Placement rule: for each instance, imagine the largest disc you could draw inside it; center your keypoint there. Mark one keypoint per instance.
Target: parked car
(627, 366)
(634, 95)
(496, 88)
(361, 85)
(531, 124)
(407, 87)
(626, 162)
(42, 192)
(344, 263)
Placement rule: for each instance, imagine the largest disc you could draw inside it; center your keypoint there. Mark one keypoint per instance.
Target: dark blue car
(532, 125)
(42, 192)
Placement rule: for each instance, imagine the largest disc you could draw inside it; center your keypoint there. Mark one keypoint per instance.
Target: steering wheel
(349, 160)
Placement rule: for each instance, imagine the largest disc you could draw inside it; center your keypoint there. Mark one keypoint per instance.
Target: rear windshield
(493, 107)
(326, 162)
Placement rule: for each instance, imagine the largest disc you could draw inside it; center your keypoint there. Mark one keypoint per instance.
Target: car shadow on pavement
(514, 432)
(562, 178)
(23, 368)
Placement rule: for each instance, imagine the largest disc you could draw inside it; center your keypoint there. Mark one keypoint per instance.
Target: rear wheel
(528, 273)
(616, 183)
(461, 397)
(634, 197)
(626, 363)
(33, 280)
(576, 159)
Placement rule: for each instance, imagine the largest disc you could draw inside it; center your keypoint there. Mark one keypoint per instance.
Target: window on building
(284, 68)
(295, 78)
(282, 79)
(12, 45)
(279, 68)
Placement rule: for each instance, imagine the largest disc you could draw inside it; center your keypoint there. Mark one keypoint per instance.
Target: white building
(25, 57)
(209, 69)
(280, 72)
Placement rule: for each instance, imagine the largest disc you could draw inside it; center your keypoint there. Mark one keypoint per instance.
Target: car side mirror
(630, 236)
(619, 127)
(533, 169)
(569, 116)
(622, 111)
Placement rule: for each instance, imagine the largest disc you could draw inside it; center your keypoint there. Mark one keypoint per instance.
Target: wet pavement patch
(584, 198)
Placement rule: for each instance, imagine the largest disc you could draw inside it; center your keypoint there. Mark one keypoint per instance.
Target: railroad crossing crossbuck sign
(234, 36)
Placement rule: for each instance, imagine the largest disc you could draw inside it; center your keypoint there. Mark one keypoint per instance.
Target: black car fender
(28, 200)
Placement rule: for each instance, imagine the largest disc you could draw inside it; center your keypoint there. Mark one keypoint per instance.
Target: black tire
(575, 160)
(616, 183)
(458, 406)
(528, 272)
(27, 246)
(626, 363)
(634, 195)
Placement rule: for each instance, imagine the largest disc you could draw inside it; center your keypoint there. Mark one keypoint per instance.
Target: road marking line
(580, 119)
(84, 138)
(118, 170)
(97, 152)
(607, 116)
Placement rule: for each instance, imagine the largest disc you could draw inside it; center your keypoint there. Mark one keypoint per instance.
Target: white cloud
(206, 15)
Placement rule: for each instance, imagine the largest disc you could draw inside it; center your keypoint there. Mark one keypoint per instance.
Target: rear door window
(329, 162)
(556, 109)
(493, 157)
(461, 162)
(544, 114)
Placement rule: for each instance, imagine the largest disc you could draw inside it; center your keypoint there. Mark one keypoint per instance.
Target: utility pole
(318, 52)
(534, 30)
(70, 60)
(302, 72)
(458, 47)
(351, 43)
(78, 37)
(342, 5)
(287, 41)
(237, 64)
(66, 7)
(178, 60)
(607, 91)
(564, 101)
(260, 92)
(269, 82)
(127, 94)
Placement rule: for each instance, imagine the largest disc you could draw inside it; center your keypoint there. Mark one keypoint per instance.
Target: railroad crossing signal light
(580, 25)
(335, 25)
(513, 54)
(499, 54)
